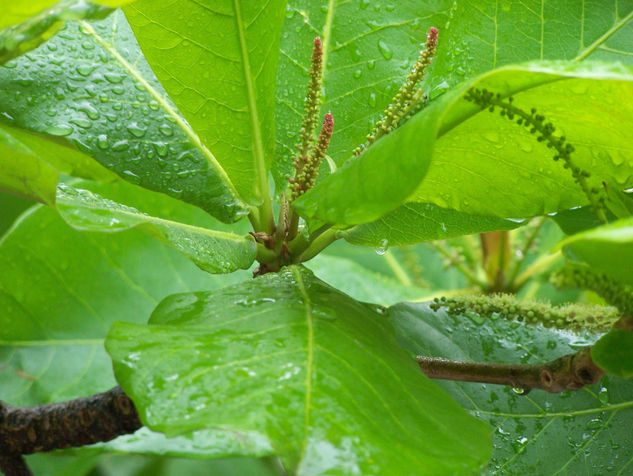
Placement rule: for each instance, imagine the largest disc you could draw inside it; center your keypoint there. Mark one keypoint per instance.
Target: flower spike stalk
(307, 168)
(312, 100)
(544, 131)
(409, 99)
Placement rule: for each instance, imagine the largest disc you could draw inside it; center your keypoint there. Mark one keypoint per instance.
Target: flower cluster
(579, 276)
(307, 167)
(310, 154)
(544, 131)
(409, 99)
(571, 316)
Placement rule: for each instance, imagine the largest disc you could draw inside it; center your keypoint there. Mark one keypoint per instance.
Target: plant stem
(524, 252)
(539, 266)
(14, 466)
(397, 269)
(318, 244)
(569, 372)
(264, 255)
(460, 267)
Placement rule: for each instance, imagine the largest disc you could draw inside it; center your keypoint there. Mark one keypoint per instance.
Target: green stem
(264, 255)
(524, 252)
(540, 266)
(460, 267)
(397, 269)
(318, 244)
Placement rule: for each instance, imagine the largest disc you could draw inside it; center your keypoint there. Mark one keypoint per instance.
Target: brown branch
(79, 422)
(569, 372)
(14, 466)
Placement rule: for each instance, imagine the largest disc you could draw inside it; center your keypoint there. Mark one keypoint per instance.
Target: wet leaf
(26, 36)
(30, 164)
(61, 289)
(419, 222)
(584, 432)
(477, 159)
(218, 63)
(312, 370)
(19, 11)
(91, 85)
(212, 250)
(607, 248)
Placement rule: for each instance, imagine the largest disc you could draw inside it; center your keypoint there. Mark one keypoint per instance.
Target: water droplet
(85, 69)
(382, 249)
(161, 149)
(90, 111)
(371, 64)
(120, 146)
(518, 391)
(166, 130)
(59, 130)
(114, 78)
(492, 136)
(384, 49)
(525, 146)
(83, 123)
(136, 130)
(364, 4)
(357, 73)
(372, 99)
(102, 142)
(603, 395)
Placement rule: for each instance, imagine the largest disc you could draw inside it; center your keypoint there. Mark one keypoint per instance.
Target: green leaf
(369, 47)
(583, 432)
(419, 222)
(93, 87)
(362, 284)
(61, 289)
(288, 357)
(213, 251)
(11, 206)
(614, 353)
(218, 63)
(29, 164)
(26, 36)
(19, 11)
(485, 34)
(480, 159)
(608, 248)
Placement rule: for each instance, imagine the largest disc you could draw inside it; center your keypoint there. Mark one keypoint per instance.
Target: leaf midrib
(184, 126)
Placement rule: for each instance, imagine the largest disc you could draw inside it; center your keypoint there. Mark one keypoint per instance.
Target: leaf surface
(288, 357)
(212, 250)
(61, 289)
(218, 63)
(30, 164)
(583, 432)
(94, 88)
(419, 222)
(480, 158)
(18, 11)
(608, 248)
(614, 353)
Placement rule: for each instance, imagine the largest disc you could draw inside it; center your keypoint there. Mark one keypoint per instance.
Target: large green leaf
(212, 250)
(608, 248)
(418, 222)
(59, 292)
(486, 34)
(18, 11)
(480, 158)
(110, 104)
(30, 164)
(218, 62)
(369, 47)
(586, 432)
(319, 374)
